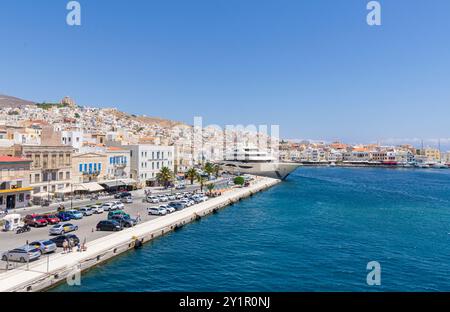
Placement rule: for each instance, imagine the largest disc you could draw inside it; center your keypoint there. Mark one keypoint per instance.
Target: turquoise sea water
(315, 232)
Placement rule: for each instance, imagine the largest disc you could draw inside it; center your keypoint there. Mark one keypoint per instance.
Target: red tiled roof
(12, 159)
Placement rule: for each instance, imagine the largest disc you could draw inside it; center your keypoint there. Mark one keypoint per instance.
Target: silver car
(45, 246)
(86, 211)
(60, 229)
(22, 254)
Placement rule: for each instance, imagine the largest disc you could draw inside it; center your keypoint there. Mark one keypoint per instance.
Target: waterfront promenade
(47, 272)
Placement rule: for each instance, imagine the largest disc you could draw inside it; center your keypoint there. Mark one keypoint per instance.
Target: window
(81, 167)
(99, 166)
(85, 168)
(68, 175)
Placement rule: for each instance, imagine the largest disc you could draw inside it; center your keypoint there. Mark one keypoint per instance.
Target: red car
(35, 220)
(51, 219)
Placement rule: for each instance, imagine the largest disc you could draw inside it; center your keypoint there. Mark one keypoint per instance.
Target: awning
(43, 195)
(89, 187)
(65, 190)
(128, 181)
(113, 184)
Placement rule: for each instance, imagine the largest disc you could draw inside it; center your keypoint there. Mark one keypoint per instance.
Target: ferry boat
(251, 160)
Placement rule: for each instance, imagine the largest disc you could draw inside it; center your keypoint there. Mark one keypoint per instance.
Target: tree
(201, 180)
(165, 176)
(239, 181)
(209, 169)
(191, 174)
(210, 187)
(217, 169)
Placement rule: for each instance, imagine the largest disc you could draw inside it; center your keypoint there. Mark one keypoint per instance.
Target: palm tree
(209, 169)
(191, 174)
(217, 169)
(201, 180)
(165, 176)
(210, 187)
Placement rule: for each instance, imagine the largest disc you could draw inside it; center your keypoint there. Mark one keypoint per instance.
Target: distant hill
(13, 102)
(166, 123)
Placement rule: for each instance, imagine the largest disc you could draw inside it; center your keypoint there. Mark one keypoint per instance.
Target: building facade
(118, 163)
(15, 190)
(50, 167)
(147, 160)
(88, 167)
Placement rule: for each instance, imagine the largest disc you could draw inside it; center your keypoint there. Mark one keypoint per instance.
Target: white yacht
(251, 160)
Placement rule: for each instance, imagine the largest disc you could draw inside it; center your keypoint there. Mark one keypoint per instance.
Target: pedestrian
(138, 217)
(65, 246)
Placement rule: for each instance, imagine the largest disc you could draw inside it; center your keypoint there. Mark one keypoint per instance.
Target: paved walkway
(11, 280)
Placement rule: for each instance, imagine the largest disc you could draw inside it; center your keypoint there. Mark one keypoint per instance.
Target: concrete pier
(45, 273)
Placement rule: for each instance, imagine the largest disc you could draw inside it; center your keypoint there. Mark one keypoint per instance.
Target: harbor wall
(47, 274)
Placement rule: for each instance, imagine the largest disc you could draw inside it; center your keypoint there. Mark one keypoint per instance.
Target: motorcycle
(23, 229)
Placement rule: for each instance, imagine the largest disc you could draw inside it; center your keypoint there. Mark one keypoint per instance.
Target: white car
(157, 211)
(152, 199)
(109, 206)
(97, 209)
(168, 209)
(127, 200)
(163, 198)
(171, 197)
(186, 202)
(119, 204)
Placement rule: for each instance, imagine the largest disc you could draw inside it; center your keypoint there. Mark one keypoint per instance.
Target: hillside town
(337, 153)
(51, 151)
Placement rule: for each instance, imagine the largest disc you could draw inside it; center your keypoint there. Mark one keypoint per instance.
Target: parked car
(63, 216)
(156, 211)
(51, 219)
(117, 213)
(35, 220)
(22, 254)
(171, 197)
(97, 209)
(109, 225)
(75, 214)
(124, 221)
(86, 211)
(163, 198)
(62, 229)
(59, 240)
(119, 204)
(153, 199)
(125, 194)
(168, 208)
(186, 202)
(177, 205)
(44, 246)
(180, 186)
(127, 200)
(109, 206)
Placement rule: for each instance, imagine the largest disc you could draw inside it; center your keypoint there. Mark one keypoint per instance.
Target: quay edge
(101, 250)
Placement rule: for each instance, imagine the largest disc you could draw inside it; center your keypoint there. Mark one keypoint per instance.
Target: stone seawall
(47, 273)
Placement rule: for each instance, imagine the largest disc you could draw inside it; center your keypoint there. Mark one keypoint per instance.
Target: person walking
(65, 246)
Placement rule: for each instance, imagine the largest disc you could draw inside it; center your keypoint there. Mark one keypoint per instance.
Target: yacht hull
(271, 169)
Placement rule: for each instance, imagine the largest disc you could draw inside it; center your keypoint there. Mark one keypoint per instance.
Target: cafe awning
(88, 187)
(128, 181)
(113, 184)
(43, 195)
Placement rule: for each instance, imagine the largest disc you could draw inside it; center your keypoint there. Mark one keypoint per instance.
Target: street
(86, 226)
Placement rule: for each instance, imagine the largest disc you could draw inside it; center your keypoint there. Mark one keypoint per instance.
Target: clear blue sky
(312, 66)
